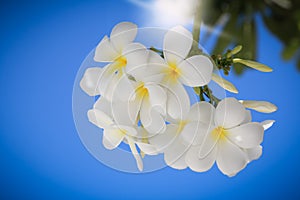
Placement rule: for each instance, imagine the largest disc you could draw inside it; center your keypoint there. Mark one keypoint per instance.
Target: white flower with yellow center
(232, 140)
(181, 134)
(145, 95)
(110, 50)
(118, 127)
(177, 69)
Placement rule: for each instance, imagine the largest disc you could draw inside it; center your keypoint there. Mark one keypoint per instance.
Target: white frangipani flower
(178, 69)
(118, 127)
(181, 134)
(110, 50)
(232, 140)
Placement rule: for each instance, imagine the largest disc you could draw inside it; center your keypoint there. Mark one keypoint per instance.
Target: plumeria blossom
(193, 71)
(118, 127)
(178, 69)
(232, 140)
(181, 134)
(110, 50)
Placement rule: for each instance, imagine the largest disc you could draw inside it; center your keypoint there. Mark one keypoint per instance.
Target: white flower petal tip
(177, 44)
(255, 65)
(247, 135)
(109, 49)
(267, 124)
(89, 82)
(105, 51)
(99, 118)
(147, 148)
(224, 83)
(260, 106)
(253, 153)
(231, 159)
(123, 34)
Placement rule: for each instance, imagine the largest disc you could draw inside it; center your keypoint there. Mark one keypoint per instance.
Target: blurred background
(43, 44)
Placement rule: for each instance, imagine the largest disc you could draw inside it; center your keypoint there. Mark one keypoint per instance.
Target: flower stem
(201, 94)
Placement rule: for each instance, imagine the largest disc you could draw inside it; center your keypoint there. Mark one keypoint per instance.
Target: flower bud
(254, 65)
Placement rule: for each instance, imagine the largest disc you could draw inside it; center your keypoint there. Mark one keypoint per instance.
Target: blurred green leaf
(281, 18)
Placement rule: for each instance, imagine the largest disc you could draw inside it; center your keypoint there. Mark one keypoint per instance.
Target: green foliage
(283, 21)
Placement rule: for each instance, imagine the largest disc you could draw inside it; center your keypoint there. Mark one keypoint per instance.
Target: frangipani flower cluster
(143, 102)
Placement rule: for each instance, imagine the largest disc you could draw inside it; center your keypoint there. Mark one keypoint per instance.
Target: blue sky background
(42, 45)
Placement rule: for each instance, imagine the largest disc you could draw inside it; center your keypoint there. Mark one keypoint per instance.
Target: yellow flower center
(219, 133)
(141, 91)
(121, 62)
(118, 65)
(172, 72)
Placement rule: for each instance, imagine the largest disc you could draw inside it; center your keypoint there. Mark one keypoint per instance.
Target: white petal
(224, 83)
(178, 102)
(107, 82)
(177, 44)
(175, 155)
(157, 97)
(203, 112)
(196, 71)
(99, 118)
(164, 140)
(155, 62)
(253, 153)
(248, 117)
(152, 120)
(229, 113)
(194, 133)
(267, 124)
(135, 153)
(122, 114)
(260, 106)
(104, 105)
(253, 64)
(209, 143)
(197, 164)
(143, 64)
(230, 159)
(136, 56)
(89, 81)
(123, 34)
(124, 89)
(156, 78)
(112, 138)
(105, 51)
(247, 135)
(147, 148)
